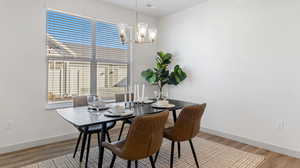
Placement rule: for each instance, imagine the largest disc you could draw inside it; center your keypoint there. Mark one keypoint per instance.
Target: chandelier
(143, 32)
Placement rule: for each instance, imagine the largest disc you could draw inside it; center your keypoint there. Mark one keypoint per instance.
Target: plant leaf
(161, 74)
(177, 76)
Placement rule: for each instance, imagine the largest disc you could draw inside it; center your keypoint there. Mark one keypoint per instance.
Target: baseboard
(31, 144)
(270, 147)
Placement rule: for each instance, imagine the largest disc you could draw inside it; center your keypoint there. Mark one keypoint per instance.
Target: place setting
(109, 109)
(164, 104)
(162, 101)
(96, 104)
(118, 110)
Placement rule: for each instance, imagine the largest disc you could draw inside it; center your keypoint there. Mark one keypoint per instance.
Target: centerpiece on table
(161, 75)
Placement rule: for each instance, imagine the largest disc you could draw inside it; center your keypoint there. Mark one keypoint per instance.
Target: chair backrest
(145, 136)
(187, 125)
(121, 97)
(80, 101)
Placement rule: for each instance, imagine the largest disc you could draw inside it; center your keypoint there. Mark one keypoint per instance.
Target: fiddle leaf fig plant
(160, 75)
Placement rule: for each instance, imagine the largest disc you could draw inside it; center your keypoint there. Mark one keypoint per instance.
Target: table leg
(178, 143)
(83, 143)
(174, 115)
(103, 133)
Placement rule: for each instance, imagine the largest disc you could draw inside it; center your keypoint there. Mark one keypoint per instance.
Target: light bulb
(142, 30)
(123, 30)
(139, 39)
(152, 34)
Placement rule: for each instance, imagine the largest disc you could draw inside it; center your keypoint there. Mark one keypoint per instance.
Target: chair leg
(178, 145)
(99, 141)
(88, 151)
(194, 153)
(129, 164)
(83, 145)
(152, 162)
(108, 137)
(77, 144)
(101, 150)
(156, 155)
(136, 164)
(113, 161)
(98, 138)
(175, 118)
(121, 131)
(172, 154)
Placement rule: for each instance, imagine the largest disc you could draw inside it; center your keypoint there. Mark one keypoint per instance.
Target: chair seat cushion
(98, 127)
(115, 147)
(174, 135)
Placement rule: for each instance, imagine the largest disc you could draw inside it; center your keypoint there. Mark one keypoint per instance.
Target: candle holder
(137, 98)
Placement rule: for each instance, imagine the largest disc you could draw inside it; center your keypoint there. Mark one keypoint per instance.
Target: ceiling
(159, 7)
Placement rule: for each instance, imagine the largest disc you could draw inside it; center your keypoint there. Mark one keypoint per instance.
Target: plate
(124, 114)
(148, 101)
(97, 108)
(164, 106)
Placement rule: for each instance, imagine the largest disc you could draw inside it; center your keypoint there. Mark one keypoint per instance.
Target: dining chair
(144, 139)
(185, 128)
(121, 98)
(96, 129)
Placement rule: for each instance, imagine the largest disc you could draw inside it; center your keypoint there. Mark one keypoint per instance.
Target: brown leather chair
(186, 127)
(79, 101)
(144, 138)
(121, 98)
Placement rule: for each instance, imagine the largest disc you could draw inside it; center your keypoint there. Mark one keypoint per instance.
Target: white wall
(242, 58)
(23, 66)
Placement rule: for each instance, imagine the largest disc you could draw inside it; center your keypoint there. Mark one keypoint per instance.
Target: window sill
(55, 106)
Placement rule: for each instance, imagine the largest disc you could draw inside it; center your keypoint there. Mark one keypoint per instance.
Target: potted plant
(160, 75)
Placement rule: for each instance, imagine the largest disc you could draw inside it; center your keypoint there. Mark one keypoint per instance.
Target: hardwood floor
(28, 156)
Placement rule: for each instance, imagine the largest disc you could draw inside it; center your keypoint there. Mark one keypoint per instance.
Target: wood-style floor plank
(45, 152)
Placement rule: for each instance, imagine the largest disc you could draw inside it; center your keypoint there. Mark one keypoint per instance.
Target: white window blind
(85, 57)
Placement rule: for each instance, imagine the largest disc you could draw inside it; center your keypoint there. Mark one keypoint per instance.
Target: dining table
(83, 117)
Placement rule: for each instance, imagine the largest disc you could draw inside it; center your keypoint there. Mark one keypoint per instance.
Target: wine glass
(92, 99)
(89, 100)
(166, 95)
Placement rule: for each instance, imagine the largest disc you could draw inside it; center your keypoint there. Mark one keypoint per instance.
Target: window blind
(69, 36)
(111, 79)
(85, 57)
(109, 47)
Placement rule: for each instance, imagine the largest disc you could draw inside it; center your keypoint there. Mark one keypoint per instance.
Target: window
(85, 57)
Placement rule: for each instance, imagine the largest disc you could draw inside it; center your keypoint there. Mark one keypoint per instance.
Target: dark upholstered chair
(96, 129)
(186, 128)
(144, 138)
(121, 98)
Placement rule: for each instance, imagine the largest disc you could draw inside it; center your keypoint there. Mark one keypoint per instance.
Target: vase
(160, 93)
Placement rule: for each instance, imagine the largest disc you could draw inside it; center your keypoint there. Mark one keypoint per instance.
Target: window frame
(93, 60)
